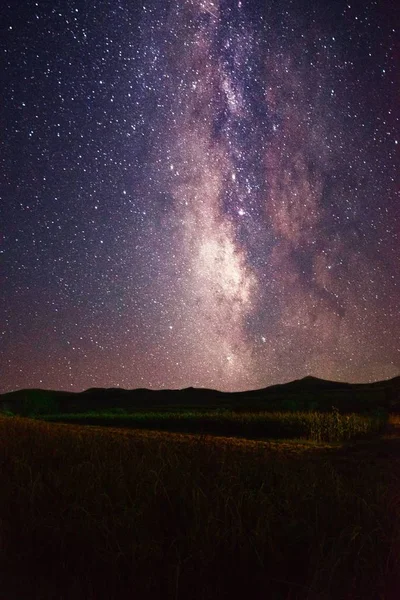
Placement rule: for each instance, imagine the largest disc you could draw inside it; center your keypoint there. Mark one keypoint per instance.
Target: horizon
(188, 388)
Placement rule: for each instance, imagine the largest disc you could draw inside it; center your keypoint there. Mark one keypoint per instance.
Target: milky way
(200, 193)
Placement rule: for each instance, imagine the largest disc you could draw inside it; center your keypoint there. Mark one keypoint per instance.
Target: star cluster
(199, 192)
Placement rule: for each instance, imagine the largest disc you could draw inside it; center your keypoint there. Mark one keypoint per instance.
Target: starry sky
(199, 193)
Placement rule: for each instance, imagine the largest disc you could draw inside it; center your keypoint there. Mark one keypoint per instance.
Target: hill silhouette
(309, 393)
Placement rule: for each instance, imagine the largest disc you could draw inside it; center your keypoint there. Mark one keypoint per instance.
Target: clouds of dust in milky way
(216, 291)
(258, 263)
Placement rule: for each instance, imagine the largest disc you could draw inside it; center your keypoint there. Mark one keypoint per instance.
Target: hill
(309, 393)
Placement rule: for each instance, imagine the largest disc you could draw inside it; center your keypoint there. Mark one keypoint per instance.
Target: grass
(93, 513)
(394, 420)
(316, 426)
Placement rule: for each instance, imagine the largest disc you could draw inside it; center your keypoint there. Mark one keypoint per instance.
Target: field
(95, 512)
(315, 426)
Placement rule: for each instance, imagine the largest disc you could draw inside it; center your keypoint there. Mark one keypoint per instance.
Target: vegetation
(319, 427)
(96, 513)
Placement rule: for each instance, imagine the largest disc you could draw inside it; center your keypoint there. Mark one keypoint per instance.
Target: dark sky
(199, 192)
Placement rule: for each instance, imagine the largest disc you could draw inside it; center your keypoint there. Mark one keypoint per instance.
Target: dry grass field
(95, 512)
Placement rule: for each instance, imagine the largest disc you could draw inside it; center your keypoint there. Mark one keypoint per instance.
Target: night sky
(199, 192)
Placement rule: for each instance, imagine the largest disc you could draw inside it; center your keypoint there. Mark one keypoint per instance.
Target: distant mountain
(309, 393)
